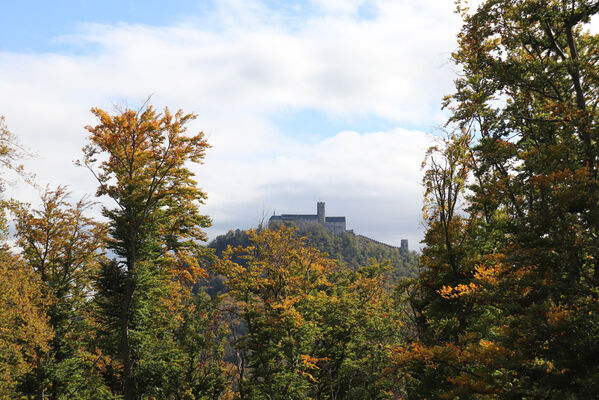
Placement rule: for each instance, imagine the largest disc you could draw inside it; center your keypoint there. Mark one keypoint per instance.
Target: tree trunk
(128, 382)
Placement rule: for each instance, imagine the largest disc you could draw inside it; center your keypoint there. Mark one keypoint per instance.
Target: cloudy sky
(302, 101)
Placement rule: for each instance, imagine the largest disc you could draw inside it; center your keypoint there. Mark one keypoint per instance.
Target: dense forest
(503, 304)
(348, 248)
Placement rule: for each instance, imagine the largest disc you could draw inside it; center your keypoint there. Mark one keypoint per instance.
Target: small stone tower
(404, 246)
(320, 212)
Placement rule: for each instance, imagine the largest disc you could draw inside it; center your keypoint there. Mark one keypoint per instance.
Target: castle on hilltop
(334, 224)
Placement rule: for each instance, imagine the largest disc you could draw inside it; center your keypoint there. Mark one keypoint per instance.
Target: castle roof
(292, 217)
(335, 224)
(303, 216)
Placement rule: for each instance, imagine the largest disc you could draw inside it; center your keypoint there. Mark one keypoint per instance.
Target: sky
(301, 101)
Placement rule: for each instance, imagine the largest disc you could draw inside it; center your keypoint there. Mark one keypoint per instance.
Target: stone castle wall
(336, 225)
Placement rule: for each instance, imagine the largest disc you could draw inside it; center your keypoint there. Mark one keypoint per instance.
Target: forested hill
(350, 249)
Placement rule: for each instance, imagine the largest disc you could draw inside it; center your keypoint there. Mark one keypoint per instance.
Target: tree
(11, 152)
(65, 249)
(313, 329)
(24, 328)
(528, 97)
(154, 228)
(273, 291)
(538, 162)
(429, 361)
(359, 322)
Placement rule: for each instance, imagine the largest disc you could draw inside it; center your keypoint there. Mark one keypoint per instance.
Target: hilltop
(350, 249)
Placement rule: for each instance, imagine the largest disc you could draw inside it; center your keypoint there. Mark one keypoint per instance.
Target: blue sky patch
(313, 125)
(368, 11)
(33, 26)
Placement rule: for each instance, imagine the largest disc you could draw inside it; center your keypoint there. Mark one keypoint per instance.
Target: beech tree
(139, 159)
(65, 248)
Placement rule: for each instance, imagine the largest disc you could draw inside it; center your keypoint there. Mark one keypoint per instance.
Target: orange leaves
(63, 245)
(460, 290)
(309, 362)
(488, 274)
(275, 267)
(185, 268)
(146, 152)
(312, 362)
(484, 276)
(489, 277)
(487, 351)
(462, 361)
(143, 170)
(414, 352)
(558, 314)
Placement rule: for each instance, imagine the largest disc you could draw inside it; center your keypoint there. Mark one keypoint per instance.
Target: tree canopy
(507, 297)
(502, 303)
(154, 231)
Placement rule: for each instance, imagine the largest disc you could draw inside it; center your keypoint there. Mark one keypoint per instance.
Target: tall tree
(154, 228)
(538, 159)
(24, 328)
(529, 96)
(439, 324)
(65, 248)
(272, 291)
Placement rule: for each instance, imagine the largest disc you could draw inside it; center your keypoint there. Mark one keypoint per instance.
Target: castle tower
(404, 245)
(320, 212)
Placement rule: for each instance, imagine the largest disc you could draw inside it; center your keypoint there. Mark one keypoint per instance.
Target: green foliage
(64, 247)
(155, 229)
(506, 301)
(359, 321)
(351, 250)
(314, 330)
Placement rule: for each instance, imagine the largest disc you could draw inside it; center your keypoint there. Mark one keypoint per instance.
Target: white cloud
(372, 178)
(249, 64)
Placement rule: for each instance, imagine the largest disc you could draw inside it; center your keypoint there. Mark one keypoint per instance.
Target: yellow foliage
(24, 328)
(448, 292)
(488, 274)
(311, 362)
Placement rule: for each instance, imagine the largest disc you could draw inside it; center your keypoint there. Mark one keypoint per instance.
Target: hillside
(348, 248)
